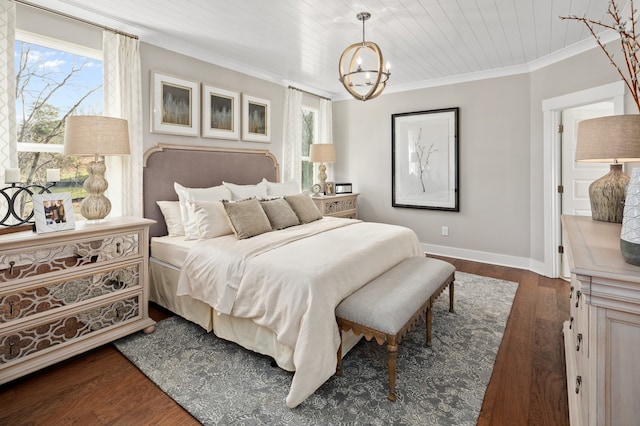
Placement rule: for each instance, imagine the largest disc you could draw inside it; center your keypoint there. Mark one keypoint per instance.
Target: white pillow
(172, 217)
(215, 193)
(280, 189)
(211, 219)
(242, 192)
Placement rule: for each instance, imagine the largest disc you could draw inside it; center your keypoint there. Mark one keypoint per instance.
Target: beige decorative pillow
(185, 194)
(247, 219)
(280, 213)
(172, 217)
(304, 207)
(211, 219)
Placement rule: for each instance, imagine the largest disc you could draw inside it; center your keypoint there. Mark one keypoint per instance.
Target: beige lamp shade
(96, 135)
(322, 153)
(609, 139)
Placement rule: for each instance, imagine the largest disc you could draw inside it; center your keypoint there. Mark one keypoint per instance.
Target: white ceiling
(299, 42)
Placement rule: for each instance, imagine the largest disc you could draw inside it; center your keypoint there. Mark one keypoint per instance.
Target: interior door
(577, 176)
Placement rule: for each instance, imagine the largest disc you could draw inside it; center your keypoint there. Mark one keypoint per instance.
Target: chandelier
(362, 80)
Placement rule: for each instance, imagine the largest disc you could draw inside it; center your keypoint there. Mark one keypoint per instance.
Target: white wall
(501, 169)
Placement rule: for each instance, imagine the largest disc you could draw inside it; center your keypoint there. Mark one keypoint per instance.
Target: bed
(274, 293)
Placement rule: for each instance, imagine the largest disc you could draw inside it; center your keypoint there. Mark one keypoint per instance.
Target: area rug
(219, 382)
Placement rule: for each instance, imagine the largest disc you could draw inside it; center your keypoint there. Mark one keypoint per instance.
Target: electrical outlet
(445, 230)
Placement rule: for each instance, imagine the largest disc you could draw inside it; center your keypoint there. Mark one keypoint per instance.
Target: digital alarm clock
(343, 188)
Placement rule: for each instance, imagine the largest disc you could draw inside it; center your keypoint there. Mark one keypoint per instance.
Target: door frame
(552, 160)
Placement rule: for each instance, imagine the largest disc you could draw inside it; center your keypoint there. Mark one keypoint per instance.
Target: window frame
(303, 158)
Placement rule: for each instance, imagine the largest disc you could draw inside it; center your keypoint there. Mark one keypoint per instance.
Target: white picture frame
(256, 119)
(51, 219)
(175, 105)
(220, 113)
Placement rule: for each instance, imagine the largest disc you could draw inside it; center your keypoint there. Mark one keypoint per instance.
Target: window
(309, 136)
(54, 79)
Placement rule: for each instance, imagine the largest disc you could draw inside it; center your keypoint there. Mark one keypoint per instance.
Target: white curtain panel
(8, 135)
(123, 99)
(325, 131)
(292, 143)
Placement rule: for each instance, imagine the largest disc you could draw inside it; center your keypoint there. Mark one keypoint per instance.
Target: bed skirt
(163, 282)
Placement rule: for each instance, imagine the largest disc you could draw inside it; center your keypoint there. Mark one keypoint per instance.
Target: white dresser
(65, 292)
(602, 336)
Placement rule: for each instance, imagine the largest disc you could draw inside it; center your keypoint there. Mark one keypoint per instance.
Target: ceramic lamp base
(607, 195)
(95, 205)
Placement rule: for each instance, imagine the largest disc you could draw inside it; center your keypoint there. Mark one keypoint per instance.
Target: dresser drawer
(50, 334)
(23, 303)
(25, 262)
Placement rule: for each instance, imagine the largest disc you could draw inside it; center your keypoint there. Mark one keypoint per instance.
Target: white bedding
(305, 271)
(171, 249)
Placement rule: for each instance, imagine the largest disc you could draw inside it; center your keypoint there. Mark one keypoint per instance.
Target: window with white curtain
(54, 79)
(309, 136)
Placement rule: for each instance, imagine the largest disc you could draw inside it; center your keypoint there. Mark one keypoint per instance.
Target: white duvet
(291, 280)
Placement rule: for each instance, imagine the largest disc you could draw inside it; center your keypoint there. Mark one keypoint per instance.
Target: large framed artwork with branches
(424, 168)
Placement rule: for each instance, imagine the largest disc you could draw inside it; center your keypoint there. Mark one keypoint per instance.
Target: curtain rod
(309, 93)
(84, 21)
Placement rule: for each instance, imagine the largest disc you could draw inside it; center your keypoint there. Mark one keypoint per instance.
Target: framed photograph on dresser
(53, 212)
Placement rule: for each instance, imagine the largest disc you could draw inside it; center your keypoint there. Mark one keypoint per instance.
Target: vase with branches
(628, 68)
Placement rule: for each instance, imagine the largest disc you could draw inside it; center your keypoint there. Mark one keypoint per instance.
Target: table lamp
(96, 136)
(616, 140)
(322, 153)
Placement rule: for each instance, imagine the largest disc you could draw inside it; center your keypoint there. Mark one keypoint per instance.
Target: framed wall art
(256, 119)
(175, 105)
(424, 169)
(53, 212)
(220, 113)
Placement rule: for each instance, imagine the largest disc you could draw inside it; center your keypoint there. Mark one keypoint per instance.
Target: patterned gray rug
(221, 383)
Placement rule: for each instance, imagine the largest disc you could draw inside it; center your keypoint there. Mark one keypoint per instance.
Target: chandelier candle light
(362, 82)
(96, 136)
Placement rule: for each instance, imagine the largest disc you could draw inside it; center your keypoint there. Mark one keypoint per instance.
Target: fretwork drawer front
(57, 331)
(25, 262)
(23, 303)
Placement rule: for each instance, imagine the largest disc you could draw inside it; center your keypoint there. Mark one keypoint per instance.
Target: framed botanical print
(175, 105)
(256, 119)
(220, 113)
(53, 212)
(424, 168)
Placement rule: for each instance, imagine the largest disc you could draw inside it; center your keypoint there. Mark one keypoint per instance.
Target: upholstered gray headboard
(198, 167)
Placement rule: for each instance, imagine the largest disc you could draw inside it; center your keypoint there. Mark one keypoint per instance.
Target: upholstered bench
(390, 305)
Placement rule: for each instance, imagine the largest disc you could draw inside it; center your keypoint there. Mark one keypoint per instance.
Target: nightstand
(65, 292)
(338, 205)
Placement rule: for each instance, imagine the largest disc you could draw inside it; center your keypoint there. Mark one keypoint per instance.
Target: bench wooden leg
(429, 324)
(451, 291)
(392, 349)
(339, 364)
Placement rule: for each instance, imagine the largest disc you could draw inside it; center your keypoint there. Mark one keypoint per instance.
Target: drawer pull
(570, 323)
(118, 248)
(578, 294)
(571, 292)
(578, 383)
(579, 343)
(11, 265)
(11, 308)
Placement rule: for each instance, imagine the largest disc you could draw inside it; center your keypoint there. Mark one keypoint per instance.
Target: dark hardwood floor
(527, 387)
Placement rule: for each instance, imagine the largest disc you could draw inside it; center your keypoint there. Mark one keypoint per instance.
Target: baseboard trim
(485, 257)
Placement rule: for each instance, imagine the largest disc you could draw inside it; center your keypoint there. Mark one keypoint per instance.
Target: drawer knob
(578, 294)
(578, 383)
(11, 265)
(579, 343)
(571, 292)
(570, 323)
(118, 248)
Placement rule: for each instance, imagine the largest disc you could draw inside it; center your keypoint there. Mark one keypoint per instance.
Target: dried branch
(630, 69)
